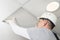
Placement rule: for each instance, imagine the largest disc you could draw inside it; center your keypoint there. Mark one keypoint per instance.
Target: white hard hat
(52, 6)
(49, 16)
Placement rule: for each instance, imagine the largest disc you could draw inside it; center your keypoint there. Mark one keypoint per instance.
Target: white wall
(6, 33)
(7, 7)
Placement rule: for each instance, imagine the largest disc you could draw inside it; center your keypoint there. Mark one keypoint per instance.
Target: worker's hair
(51, 24)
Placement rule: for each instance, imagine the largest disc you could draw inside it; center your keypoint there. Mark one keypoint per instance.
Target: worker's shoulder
(40, 30)
(40, 33)
(34, 29)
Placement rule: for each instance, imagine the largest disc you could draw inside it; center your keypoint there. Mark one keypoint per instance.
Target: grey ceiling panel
(24, 18)
(37, 7)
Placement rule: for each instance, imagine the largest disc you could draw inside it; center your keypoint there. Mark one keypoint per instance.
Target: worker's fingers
(6, 21)
(13, 19)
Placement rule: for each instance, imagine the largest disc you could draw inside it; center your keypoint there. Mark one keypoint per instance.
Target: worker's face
(42, 23)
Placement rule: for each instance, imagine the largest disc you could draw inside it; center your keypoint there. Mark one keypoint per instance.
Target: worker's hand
(13, 20)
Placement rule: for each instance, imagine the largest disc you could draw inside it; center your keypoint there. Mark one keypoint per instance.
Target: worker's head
(47, 20)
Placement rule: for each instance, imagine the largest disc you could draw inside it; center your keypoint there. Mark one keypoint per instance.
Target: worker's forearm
(19, 30)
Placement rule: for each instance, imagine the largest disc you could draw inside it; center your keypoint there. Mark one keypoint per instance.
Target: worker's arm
(18, 30)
